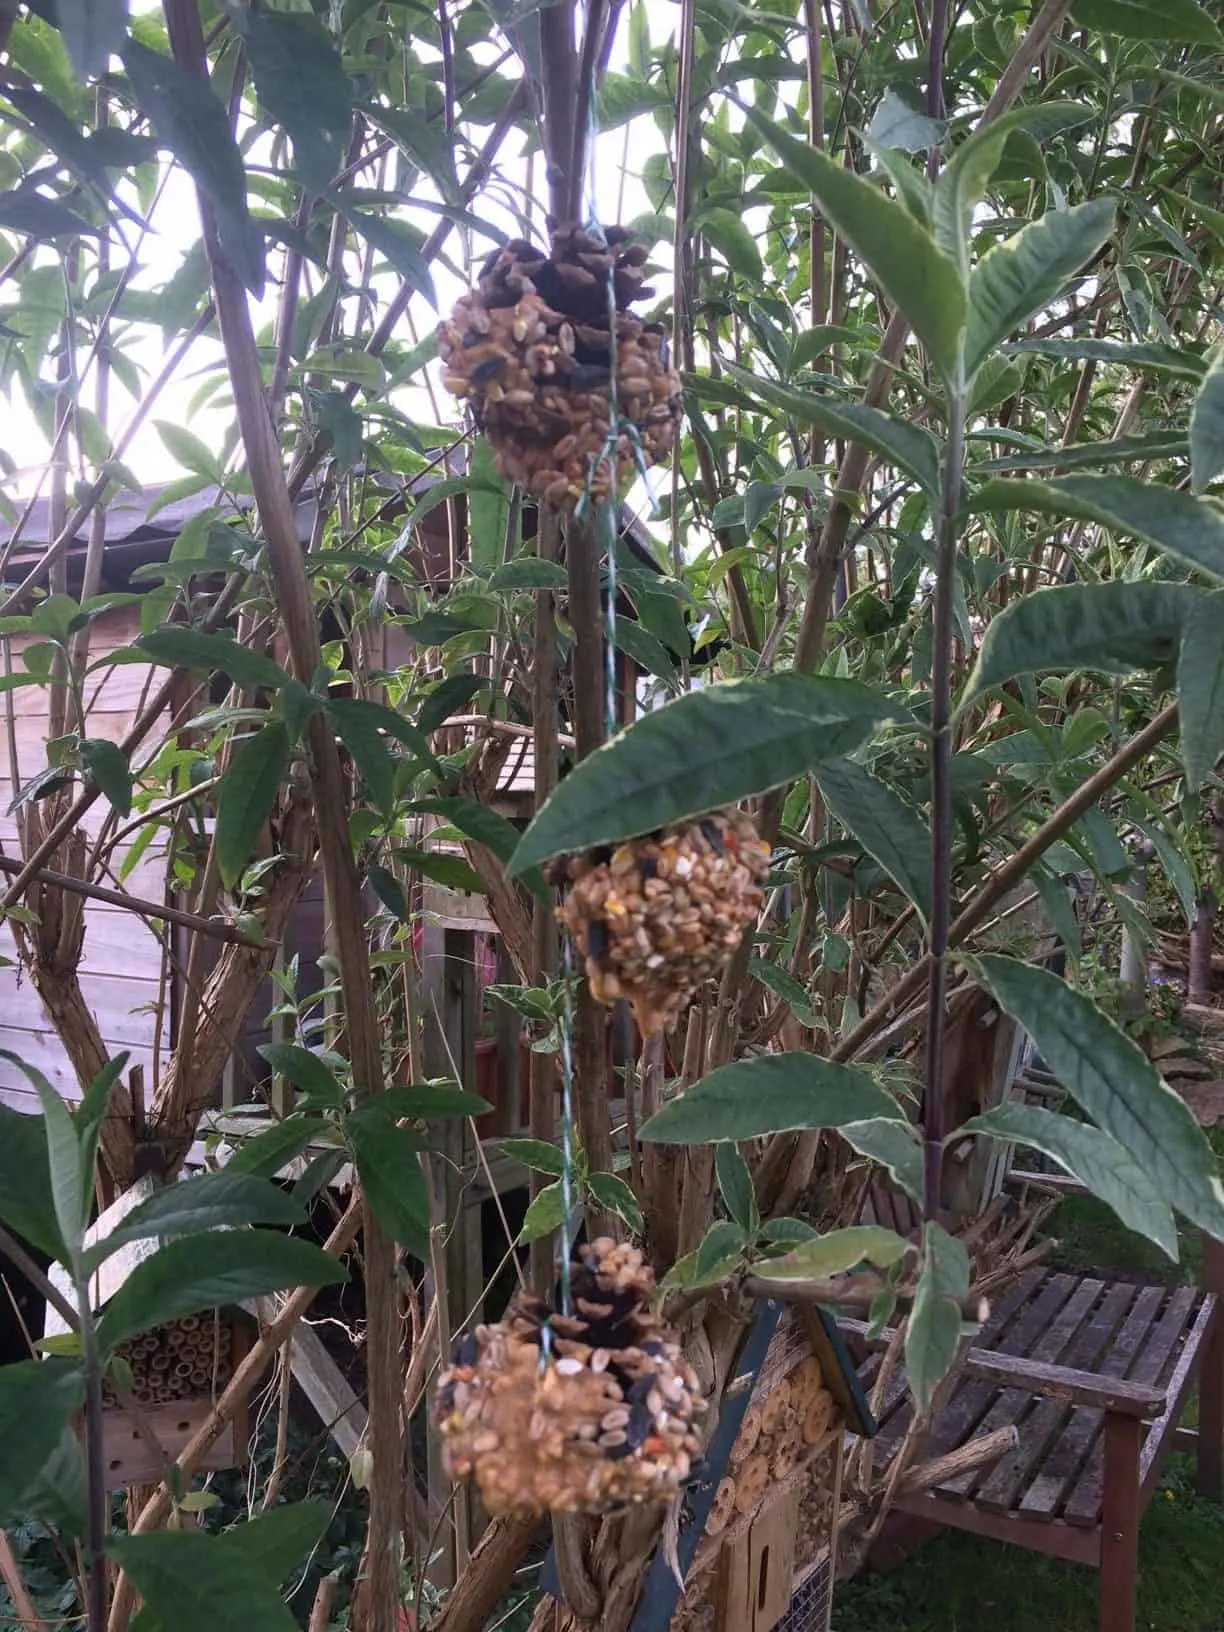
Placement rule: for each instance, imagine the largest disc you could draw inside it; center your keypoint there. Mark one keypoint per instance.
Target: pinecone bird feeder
(660, 915)
(533, 351)
(573, 1414)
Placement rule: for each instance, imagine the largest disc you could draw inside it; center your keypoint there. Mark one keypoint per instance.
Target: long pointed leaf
(915, 275)
(1095, 1158)
(1200, 688)
(890, 831)
(1114, 627)
(1189, 528)
(1020, 277)
(774, 1093)
(699, 753)
(1111, 1078)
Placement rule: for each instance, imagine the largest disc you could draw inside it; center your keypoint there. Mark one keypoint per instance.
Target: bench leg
(1120, 1523)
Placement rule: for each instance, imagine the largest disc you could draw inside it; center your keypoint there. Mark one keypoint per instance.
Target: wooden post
(1210, 1472)
(1120, 1523)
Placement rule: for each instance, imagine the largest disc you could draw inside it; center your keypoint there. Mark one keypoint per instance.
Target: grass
(958, 1583)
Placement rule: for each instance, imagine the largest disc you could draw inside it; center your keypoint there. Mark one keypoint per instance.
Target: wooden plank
(1012, 1472)
(1072, 1387)
(119, 1006)
(1040, 1340)
(1044, 1495)
(1083, 1505)
(1053, 1540)
(44, 1050)
(1158, 1442)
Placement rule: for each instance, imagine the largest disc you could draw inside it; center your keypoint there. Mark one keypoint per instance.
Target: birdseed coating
(660, 915)
(530, 349)
(605, 1418)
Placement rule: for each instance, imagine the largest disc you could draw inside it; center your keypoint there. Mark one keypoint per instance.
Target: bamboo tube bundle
(177, 1362)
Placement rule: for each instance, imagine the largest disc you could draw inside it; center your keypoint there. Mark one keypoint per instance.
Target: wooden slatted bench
(1094, 1374)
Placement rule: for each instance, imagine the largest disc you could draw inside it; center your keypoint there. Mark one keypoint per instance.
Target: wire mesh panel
(811, 1605)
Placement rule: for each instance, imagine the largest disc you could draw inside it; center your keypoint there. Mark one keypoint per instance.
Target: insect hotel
(767, 1552)
(177, 1370)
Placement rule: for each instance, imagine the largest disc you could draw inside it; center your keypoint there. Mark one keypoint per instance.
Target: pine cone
(531, 348)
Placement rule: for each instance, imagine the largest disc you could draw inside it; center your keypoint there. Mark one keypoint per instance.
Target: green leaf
(1190, 528)
(179, 647)
(273, 1148)
(535, 1154)
(889, 830)
(246, 795)
(360, 719)
(301, 85)
(193, 1582)
(37, 1399)
(273, 1544)
(720, 1253)
(701, 752)
(736, 1188)
(896, 124)
(428, 1099)
(34, 216)
(968, 173)
(210, 1271)
(908, 447)
(933, 1332)
(785, 986)
(450, 695)
(304, 1070)
(106, 765)
(734, 242)
(392, 1182)
(773, 1093)
(1114, 627)
(397, 243)
(1182, 21)
(1200, 689)
(1016, 279)
(1096, 1159)
(1154, 359)
(612, 1193)
(916, 277)
(65, 1165)
(526, 572)
(1207, 430)
(894, 1145)
(193, 122)
(208, 1201)
(25, 1178)
(835, 1253)
(189, 450)
(93, 32)
(788, 1232)
(453, 872)
(1111, 1078)
(545, 1215)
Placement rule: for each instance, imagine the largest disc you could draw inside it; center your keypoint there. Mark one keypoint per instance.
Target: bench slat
(1013, 1471)
(1044, 1495)
(1083, 1505)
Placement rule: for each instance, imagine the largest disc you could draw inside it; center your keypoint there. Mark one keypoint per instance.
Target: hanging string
(567, 1121)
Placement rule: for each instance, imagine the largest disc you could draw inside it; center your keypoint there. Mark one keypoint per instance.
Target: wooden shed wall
(120, 968)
